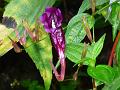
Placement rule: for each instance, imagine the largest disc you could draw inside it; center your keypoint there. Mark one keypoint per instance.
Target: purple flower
(52, 21)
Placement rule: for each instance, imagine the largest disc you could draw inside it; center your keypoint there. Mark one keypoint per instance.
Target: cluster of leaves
(76, 51)
(76, 32)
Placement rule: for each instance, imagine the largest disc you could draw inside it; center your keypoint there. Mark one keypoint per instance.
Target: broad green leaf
(114, 17)
(30, 10)
(116, 70)
(95, 50)
(115, 85)
(103, 73)
(75, 30)
(41, 54)
(86, 4)
(74, 51)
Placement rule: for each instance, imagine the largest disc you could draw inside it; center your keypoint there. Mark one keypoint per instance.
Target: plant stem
(94, 86)
(113, 49)
(93, 34)
(93, 4)
(57, 65)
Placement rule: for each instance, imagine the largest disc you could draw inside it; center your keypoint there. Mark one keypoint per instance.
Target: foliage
(74, 52)
(102, 72)
(75, 29)
(31, 85)
(77, 50)
(23, 10)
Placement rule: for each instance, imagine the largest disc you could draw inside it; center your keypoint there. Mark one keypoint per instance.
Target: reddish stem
(15, 46)
(113, 49)
(60, 77)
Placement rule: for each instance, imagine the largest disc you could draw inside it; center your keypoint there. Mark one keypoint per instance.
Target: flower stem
(59, 77)
(113, 49)
(93, 34)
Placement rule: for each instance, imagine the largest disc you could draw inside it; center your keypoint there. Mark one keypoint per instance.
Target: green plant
(38, 44)
(31, 85)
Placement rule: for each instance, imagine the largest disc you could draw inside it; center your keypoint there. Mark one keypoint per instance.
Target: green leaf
(74, 52)
(40, 52)
(97, 47)
(75, 30)
(86, 4)
(29, 10)
(37, 51)
(114, 17)
(103, 73)
(115, 85)
(95, 50)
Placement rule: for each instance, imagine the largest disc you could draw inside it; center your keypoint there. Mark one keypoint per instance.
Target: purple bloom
(52, 19)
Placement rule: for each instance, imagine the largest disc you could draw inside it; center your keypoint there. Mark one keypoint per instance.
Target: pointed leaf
(74, 52)
(41, 54)
(75, 30)
(97, 47)
(103, 73)
(114, 17)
